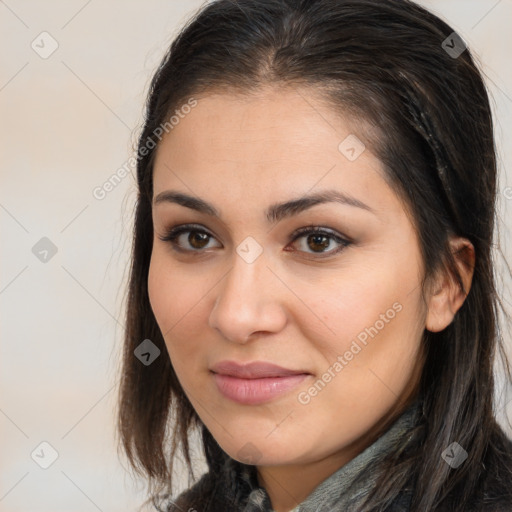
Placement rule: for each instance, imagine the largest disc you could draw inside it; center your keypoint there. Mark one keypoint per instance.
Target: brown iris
(319, 242)
(197, 239)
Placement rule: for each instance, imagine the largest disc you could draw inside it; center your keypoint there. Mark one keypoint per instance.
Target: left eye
(316, 239)
(319, 239)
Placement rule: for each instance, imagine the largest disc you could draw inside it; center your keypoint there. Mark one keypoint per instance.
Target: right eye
(187, 234)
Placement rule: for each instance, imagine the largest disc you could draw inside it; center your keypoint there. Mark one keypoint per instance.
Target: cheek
(172, 298)
(346, 306)
(389, 339)
(373, 317)
(369, 361)
(177, 301)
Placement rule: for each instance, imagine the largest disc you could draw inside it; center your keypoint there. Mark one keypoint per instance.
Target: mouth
(256, 382)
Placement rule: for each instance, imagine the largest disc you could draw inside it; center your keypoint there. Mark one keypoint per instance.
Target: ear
(447, 297)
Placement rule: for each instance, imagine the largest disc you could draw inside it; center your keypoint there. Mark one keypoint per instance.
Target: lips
(256, 382)
(253, 370)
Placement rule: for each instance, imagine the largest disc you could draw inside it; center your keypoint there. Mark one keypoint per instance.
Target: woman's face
(339, 310)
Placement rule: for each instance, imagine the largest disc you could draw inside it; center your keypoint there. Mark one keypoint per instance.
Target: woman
(312, 284)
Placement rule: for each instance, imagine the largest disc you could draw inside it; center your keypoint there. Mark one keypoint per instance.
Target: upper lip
(253, 370)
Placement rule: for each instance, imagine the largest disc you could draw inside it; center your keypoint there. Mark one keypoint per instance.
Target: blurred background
(73, 81)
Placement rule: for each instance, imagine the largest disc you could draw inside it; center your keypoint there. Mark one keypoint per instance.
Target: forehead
(271, 145)
(280, 121)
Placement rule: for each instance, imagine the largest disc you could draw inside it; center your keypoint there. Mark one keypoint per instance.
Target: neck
(287, 486)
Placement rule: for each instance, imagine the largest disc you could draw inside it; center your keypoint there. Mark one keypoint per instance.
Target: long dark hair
(391, 64)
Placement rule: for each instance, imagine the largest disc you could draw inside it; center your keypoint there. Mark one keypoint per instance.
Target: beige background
(68, 122)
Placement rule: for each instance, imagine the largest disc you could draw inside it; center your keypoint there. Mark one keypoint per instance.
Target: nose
(249, 301)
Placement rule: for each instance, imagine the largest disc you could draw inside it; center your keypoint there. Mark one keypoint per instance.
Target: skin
(291, 306)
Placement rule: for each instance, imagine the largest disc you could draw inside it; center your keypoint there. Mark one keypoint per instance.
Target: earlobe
(448, 297)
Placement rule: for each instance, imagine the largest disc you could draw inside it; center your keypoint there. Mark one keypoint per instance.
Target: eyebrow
(274, 212)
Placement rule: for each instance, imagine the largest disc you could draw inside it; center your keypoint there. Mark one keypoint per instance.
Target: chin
(258, 450)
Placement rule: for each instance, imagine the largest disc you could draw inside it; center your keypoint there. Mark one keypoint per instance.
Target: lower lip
(256, 391)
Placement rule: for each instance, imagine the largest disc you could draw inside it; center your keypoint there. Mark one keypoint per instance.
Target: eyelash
(173, 233)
